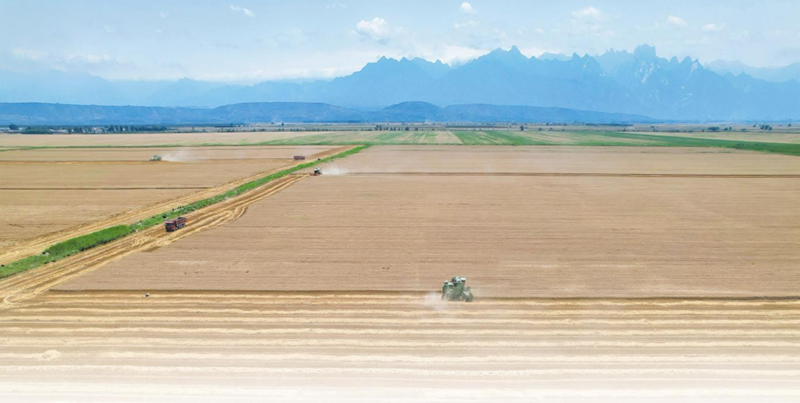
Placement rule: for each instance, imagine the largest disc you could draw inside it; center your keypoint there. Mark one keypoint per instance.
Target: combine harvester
(456, 290)
(156, 158)
(317, 172)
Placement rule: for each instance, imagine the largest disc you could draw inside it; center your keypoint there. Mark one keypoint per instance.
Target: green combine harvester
(456, 290)
(156, 158)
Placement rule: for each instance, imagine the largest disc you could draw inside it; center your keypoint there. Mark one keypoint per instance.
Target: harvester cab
(456, 290)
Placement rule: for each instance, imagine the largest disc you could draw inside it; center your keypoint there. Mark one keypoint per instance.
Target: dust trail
(179, 156)
(434, 300)
(334, 170)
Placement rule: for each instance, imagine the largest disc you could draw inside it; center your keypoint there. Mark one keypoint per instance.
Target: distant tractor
(174, 225)
(317, 172)
(156, 158)
(456, 290)
(299, 157)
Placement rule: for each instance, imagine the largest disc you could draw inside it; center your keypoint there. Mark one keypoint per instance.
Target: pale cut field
(171, 154)
(554, 159)
(549, 235)
(235, 138)
(760, 137)
(143, 139)
(30, 213)
(375, 137)
(390, 347)
(44, 191)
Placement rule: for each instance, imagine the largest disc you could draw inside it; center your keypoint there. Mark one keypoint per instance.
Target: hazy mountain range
(637, 83)
(28, 114)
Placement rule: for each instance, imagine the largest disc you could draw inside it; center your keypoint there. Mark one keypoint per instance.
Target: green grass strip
(104, 236)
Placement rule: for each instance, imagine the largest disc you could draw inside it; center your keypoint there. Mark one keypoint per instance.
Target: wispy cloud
(88, 58)
(469, 23)
(333, 6)
(28, 54)
(467, 8)
(588, 12)
(676, 21)
(243, 10)
(713, 27)
(163, 15)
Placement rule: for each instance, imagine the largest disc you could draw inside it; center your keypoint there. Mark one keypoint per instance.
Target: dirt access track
(31, 213)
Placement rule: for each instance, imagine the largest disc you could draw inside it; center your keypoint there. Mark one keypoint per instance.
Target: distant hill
(621, 82)
(775, 74)
(294, 112)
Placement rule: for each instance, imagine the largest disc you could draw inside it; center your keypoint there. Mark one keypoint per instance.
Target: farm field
(769, 137)
(142, 139)
(552, 234)
(565, 160)
(388, 347)
(50, 190)
(609, 273)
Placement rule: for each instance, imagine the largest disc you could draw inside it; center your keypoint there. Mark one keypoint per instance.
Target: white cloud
(713, 27)
(453, 54)
(109, 29)
(466, 8)
(158, 31)
(588, 12)
(676, 21)
(243, 10)
(469, 23)
(333, 6)
(377, 29)
(163, 15)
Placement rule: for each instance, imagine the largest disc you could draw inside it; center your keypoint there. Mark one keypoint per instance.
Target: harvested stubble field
(325, 287)
(50, 190)
(565, 232)
(289, 347)
(565, 160)
(143, 139)
(769, 137)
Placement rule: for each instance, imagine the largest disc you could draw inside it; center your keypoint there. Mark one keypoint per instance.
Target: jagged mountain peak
(645, 52)
(615, 81)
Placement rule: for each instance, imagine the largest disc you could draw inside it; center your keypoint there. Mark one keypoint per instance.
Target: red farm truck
(176, 224)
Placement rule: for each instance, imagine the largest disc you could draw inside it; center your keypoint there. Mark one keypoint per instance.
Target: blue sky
(249, 40)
